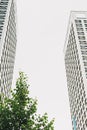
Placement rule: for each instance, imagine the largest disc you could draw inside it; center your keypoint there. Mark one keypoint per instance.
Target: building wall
(8, 46)
(75, 77)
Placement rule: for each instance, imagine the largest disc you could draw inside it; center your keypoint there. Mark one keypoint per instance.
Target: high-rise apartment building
(75, 51)
(7, 44)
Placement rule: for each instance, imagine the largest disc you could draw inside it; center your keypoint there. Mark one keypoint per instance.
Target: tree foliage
(19, 112)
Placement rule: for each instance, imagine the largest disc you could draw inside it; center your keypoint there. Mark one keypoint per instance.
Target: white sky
(42, 26)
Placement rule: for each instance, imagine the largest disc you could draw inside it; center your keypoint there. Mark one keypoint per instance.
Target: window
(74, 123)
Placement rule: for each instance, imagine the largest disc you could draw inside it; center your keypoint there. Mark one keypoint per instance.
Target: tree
(19, 112)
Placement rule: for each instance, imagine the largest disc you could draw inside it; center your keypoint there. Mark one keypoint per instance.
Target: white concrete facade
(75, 51)
(7, 45)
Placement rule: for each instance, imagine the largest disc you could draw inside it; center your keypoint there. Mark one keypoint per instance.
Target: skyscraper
(75, 51)
(7, 44)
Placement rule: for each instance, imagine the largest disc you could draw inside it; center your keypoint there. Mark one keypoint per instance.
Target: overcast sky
(42, 26)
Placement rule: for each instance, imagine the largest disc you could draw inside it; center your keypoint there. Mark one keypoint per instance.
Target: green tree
(19, 112)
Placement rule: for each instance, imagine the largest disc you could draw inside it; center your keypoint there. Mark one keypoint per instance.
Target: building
(75, 52)
(7, 45)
